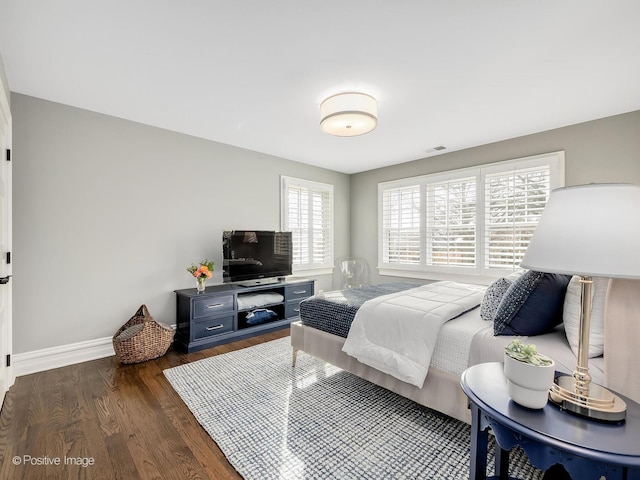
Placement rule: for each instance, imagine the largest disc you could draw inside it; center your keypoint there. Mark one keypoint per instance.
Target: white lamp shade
(591, 230)
(348, 114)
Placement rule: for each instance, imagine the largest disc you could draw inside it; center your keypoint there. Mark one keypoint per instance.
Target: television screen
(255, 254)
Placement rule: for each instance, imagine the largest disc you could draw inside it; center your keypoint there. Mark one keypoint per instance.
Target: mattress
(451, 353)
(463, 341)
(488, 348)
(333, 312)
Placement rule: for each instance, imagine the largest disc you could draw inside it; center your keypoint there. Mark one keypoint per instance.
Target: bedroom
(109, 212)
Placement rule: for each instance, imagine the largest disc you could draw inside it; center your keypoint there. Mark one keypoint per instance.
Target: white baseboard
(56, 357)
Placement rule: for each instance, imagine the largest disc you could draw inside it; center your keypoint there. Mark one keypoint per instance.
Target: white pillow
(571, 315)
(253, 300)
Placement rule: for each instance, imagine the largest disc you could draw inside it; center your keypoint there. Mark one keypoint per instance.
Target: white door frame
(6, 316)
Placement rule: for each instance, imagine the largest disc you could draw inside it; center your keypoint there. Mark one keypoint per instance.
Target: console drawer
(292, 309)
(298, 292)
(212, 326)
(212, 305)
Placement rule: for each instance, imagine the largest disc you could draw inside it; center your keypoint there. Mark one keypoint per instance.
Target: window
(401, 225)
(307, 212)
(513, 205)
(451, 222)
(475, 221)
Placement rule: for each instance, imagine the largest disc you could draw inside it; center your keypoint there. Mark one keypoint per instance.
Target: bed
(466, 340)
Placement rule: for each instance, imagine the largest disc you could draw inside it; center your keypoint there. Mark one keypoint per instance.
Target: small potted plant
(529, 374)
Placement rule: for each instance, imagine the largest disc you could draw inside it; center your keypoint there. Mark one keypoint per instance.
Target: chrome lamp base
(597, 404)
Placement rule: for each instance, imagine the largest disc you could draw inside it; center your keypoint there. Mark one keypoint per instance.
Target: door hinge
(8, 258)
(8, 154)
(8, 360)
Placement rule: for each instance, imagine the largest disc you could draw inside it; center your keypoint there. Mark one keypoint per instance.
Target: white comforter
(397, 333)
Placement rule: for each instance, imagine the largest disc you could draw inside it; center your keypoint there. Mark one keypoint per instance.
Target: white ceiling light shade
(349, 114)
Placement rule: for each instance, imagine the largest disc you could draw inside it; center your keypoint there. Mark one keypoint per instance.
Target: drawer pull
(215, 305)
(299, 292)
(297, 310)
(215, 327)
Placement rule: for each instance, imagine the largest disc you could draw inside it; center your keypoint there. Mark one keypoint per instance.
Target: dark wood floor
(126, 418)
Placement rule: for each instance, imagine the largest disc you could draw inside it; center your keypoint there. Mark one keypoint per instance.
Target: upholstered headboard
(622, 337)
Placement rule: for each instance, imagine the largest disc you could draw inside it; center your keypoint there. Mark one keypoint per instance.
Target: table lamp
(591, 231)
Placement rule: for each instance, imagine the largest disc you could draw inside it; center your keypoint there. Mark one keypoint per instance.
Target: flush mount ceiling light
(348, 114)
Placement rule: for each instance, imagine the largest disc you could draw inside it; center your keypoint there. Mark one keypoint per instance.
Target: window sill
(313, 271)
(439, 276)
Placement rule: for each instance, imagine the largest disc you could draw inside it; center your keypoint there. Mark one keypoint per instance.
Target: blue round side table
(586, 448)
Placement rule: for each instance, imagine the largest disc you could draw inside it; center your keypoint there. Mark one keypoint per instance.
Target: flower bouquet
(201, 273)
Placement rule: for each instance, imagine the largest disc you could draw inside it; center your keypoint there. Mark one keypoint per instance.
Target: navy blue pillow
(532, 305)
(260, 315)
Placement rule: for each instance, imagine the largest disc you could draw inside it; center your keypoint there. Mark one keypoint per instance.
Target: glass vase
(200, 283)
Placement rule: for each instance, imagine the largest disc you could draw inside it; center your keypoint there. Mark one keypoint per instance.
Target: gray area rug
(315, 421)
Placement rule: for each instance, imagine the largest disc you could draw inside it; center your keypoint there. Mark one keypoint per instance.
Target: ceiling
(253, 73)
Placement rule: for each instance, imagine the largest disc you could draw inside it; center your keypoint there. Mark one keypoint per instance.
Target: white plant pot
(528, 385)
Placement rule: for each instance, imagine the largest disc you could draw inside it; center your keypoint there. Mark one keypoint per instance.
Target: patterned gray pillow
(492, 298)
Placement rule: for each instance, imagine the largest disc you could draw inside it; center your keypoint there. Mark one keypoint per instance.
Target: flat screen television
(252, 255)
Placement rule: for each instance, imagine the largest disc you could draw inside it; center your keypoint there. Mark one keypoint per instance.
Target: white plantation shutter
(401, 225)
(473, 222)
(451, 223)
(307, 212)
(298, 223)
(513, 205)
(321, 232)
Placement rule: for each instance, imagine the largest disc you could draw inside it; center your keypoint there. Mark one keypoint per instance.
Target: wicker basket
(142, 338)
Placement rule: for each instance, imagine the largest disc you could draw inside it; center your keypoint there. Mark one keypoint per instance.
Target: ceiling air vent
(436, 149)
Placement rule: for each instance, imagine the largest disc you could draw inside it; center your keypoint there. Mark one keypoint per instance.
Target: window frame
(286, 183)
(478, 273)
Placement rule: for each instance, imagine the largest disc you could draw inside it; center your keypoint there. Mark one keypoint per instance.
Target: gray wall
(108, 213)
(606, 150)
